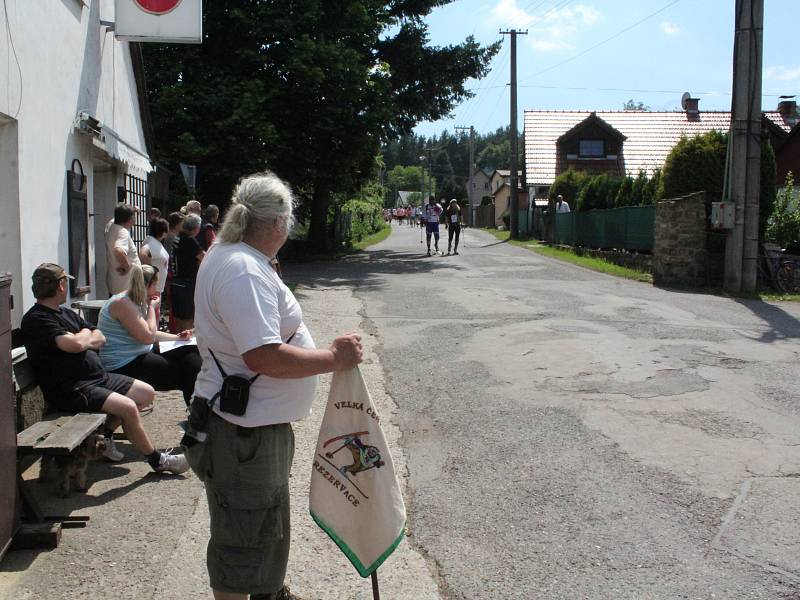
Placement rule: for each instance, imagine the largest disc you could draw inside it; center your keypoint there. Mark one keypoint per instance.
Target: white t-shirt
(118, 237)
(241, 304)
(432, 212)
(159, 258)
(563, 207)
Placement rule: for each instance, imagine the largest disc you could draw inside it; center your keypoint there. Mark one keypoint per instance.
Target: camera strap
(254, 377)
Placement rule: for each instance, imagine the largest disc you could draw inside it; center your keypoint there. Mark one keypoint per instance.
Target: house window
(592, 148)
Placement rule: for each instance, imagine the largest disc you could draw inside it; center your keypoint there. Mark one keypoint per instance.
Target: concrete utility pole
(430, 173)
(744, 164)
(513, 202)
(470, 191)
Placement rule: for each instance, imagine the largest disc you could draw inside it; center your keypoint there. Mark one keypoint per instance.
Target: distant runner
(433, 211)
(452, 222)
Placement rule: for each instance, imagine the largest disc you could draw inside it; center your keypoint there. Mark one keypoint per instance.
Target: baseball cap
(46, 274)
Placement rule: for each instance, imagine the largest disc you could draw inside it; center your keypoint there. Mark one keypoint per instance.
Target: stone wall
(679, 251)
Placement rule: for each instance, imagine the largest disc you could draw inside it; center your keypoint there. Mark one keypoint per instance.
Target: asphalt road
(573, 435)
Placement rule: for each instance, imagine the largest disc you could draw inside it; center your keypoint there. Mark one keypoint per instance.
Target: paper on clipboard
(172, 344)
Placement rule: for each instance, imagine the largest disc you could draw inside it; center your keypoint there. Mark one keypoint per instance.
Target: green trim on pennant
(362, 570)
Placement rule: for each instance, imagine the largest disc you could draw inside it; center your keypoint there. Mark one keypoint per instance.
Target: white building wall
(58, 61)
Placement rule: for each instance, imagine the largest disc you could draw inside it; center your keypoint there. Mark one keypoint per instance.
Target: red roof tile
(650, 136)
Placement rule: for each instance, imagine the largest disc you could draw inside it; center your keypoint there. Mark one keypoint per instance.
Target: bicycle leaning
(780, 270)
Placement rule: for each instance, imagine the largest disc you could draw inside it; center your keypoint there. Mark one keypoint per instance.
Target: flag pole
(376, 594)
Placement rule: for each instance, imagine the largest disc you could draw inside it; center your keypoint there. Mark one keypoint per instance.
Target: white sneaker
(111, 452)
(172, 463)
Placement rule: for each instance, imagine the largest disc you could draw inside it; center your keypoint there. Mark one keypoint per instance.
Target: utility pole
(513, 201)
(470, 191)
(744, 164)
(430, 173)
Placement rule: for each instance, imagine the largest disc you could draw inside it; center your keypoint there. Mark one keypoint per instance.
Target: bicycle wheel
(788, 277)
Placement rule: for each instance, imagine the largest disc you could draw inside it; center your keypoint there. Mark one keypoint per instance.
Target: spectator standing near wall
(154, 253)
(188, 255)
(121, 252)
(208, 228)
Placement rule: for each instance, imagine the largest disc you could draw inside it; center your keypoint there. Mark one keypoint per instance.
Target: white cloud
(670, 28)
(550, 29)
(781, 73)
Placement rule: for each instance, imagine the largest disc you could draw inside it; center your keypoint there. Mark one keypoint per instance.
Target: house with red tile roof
(627, 142)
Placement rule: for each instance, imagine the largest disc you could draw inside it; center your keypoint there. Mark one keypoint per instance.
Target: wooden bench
(56, 434)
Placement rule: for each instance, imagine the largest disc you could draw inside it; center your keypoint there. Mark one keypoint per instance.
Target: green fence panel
(565, 228)
(627, 228)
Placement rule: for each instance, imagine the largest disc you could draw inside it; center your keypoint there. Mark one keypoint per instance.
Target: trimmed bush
(569, 185)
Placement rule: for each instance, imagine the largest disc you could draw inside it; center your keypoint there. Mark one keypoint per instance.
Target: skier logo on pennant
(364, 457)
(355, 495)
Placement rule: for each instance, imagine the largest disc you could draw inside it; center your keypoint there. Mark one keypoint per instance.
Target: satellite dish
(686, 96)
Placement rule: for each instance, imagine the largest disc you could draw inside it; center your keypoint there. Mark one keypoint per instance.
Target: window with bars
(135, 194)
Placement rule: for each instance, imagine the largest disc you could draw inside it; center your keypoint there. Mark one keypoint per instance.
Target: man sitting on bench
(62, 348)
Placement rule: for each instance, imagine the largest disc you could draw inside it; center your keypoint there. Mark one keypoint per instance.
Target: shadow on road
(782, 325)
(363, 270)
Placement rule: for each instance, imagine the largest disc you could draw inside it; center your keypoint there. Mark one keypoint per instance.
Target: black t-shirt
(186, 252)
(57, 372)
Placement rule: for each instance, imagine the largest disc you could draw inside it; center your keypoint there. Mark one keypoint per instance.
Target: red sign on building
(157, 7)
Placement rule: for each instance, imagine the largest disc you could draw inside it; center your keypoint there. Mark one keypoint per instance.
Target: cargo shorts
(246, 474)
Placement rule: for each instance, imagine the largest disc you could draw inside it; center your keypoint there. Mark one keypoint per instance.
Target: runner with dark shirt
(452, 222)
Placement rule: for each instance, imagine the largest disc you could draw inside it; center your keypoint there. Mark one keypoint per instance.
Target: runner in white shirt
(433, 211)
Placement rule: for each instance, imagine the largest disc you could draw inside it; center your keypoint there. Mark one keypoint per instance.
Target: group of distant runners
(409, 214)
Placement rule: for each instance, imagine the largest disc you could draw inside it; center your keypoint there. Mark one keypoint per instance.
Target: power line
(605, 41)
(634, 90)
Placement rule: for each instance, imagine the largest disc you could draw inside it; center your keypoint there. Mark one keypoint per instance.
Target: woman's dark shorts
(183, 298)
(89, 396)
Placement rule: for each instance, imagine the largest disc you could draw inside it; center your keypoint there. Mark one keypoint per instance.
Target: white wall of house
(58, 61)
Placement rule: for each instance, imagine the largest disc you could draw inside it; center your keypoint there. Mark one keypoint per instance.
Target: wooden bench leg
(31, 511)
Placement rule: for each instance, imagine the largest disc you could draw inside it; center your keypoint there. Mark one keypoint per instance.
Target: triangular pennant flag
(355, 495)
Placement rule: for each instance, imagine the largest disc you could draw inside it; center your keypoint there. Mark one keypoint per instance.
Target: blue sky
(687, 46)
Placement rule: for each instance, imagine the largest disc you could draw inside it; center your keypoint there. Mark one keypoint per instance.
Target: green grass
(603, 266)
(373, 239)
(595, 264)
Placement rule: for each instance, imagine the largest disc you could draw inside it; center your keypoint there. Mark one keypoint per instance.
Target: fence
(484, 216)
(627, 228)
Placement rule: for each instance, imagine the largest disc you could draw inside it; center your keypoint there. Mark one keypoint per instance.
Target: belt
(241, 430)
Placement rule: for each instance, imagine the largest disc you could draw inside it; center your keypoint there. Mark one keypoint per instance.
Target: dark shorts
(246, 474)
(433, 227)
(183, 298)
(89, 396)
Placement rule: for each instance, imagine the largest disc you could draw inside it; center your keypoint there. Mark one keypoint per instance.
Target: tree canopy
(308, 89)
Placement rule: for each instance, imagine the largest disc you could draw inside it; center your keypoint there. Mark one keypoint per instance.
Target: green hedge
(363, 218)
(583, 191)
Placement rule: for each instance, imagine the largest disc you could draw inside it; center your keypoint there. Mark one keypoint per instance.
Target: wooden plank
(37, 535)
(71, 434)
(27, 440)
